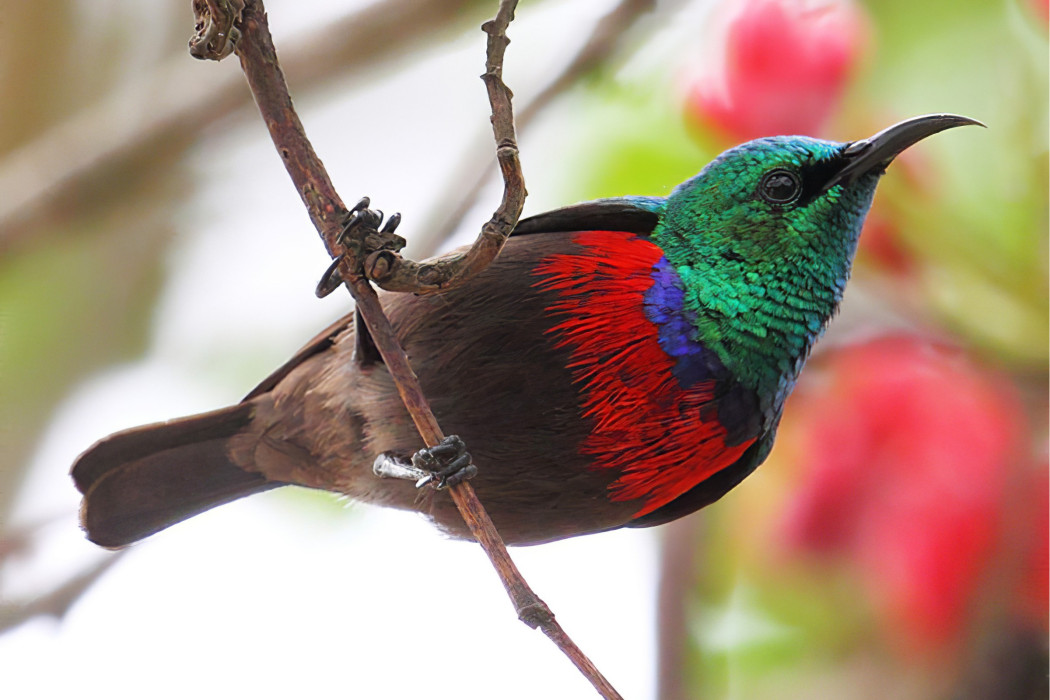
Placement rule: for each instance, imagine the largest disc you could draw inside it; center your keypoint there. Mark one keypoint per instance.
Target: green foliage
(631, 142)
(68, 308)
(978, 220)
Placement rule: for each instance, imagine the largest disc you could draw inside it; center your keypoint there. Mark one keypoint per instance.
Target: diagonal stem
(452, 269)
(475, 169)
(266, 80)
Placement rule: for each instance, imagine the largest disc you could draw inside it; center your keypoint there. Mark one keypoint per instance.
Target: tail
(140, 481)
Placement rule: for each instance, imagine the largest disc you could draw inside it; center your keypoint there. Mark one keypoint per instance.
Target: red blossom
(909, 450)
(781, 68)
(1032, 602)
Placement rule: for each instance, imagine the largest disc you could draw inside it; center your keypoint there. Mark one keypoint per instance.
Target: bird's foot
(447, 463)
(362, 237)
(443, 465)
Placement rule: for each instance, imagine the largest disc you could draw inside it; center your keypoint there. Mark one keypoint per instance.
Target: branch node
(379, 264)
(536, 614)
(215, 30)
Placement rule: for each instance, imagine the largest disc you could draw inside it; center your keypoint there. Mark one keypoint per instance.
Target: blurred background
(155, 261)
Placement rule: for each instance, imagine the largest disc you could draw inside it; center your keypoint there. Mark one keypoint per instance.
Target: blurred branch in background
(55, 602)
(62, 171)
(681, 543)
(476, 169)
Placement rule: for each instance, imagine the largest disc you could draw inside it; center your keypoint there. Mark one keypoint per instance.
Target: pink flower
(909, 454)
(781, 67)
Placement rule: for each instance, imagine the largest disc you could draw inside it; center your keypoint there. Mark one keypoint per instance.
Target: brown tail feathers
(140, 481)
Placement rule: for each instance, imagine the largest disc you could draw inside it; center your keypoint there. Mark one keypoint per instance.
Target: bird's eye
(780, 187)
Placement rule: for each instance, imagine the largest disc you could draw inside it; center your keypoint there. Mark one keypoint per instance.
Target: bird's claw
(448, 463)
(443, 465)
(361, 233)
(330, 280)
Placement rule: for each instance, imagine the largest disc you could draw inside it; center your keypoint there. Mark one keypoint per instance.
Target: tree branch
(401, 275)
(259, 62)
(57, 601)
(475, 168)
(452, 269)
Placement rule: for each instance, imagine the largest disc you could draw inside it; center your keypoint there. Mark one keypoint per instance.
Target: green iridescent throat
(762, 280)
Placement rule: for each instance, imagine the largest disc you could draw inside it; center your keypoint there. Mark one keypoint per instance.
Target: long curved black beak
(876, 152)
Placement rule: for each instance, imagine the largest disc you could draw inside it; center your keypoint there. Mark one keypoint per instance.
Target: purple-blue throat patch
(665, 306)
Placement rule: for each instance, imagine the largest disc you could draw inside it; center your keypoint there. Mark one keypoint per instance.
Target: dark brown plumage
(320, 420)
(623, 362)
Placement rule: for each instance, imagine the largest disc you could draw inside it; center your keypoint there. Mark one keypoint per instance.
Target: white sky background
(263, 598)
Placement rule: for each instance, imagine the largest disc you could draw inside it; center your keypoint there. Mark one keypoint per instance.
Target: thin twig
(445, 271)
(56, 602)
(452, 269)
(476, 166)
(20, 541)
(259, 62)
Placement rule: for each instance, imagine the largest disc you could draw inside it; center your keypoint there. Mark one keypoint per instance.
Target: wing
(636, 215)
(629, 214)
(663, 431)
(318, 344)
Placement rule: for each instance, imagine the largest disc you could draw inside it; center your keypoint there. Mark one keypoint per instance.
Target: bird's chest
(651, 394)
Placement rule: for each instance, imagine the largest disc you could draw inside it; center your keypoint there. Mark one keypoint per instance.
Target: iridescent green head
(764, 237)
(768, 201)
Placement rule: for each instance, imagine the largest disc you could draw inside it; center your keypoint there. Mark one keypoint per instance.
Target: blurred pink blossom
(781, 67)
(910, 450)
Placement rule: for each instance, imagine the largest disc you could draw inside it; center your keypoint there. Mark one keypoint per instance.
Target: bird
(622, 363)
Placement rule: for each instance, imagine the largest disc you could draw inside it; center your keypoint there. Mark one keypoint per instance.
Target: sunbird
(623, 362)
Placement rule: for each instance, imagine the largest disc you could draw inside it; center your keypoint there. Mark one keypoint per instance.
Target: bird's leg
(443, 465)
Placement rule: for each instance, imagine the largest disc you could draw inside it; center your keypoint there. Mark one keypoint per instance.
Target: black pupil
(780, 186)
